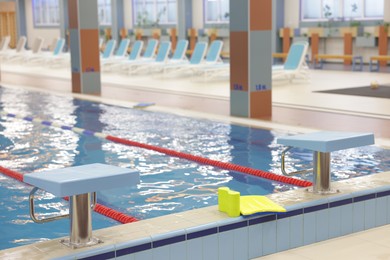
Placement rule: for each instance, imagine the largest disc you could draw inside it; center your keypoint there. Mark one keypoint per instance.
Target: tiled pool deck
(362, 203)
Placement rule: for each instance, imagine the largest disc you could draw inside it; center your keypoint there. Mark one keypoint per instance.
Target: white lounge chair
(149, 55)
(108, 50)
(161, 58)
(4, 44)
(295, 64)
(196, 58)
(120, 53)
(179, 56)
(212, 58)
(26, 55)
(49, 57)
(135, 54)
(20, 47)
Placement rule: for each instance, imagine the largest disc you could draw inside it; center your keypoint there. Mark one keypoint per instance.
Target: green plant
(142, 19)
(353, 23)
(327, 12)
(367, 34)
(159, 14)
(330, 21)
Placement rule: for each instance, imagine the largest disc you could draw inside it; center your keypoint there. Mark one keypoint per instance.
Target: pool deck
(295, 108)
(305, 215)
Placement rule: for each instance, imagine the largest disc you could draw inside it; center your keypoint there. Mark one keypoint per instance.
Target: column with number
(251, 58)
(84, 46)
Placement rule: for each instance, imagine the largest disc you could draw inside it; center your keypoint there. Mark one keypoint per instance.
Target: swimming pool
(168, 184)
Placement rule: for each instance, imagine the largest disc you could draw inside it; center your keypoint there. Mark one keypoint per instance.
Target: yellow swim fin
(230, 202)
(254, 204)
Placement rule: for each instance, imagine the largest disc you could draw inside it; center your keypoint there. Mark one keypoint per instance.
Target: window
(216, 11)
(154, 12)
(341, 9)
(104, 12)
(46, 13)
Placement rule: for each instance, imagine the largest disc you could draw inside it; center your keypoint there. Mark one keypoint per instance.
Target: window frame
(219, 7)
(340, 17)
(45, 8)
(163, 24)
(106, 3)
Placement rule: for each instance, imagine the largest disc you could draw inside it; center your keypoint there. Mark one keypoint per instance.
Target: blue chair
(151, 48)
(197, 58)
(295, 64)
(109, 49)
(161, 58)
(122, 49)
(198, 62)
(111, 64)
(136, 50)
(180, 52)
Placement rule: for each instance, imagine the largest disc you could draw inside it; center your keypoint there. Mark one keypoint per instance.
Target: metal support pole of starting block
(78, 183)
(322, 144)
(321, 173)
(80, 212)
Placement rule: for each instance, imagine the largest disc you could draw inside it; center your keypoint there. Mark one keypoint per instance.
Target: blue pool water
(167, 185)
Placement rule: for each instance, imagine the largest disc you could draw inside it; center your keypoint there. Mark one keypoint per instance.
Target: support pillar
(20, 19)
(251, 58)
(382, 44)
(315, 43)
(64, 22)
(84, 46)
(117, 19)
(348, 47)
(184, 18)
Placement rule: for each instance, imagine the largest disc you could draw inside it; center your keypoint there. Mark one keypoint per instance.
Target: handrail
(45, 220)
(283, 165)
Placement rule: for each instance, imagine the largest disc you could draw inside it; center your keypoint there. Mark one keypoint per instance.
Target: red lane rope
(198, 159)
(99, 208)
(222, 165)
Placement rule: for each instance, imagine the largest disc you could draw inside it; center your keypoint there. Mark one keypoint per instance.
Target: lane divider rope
(99, 208)
(190, 157)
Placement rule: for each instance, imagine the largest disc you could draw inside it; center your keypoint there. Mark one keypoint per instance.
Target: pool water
(168, 184)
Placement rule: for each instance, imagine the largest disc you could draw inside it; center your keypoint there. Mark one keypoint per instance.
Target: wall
(291, 13)
(7, 6)
(47, 34)
(197, 15)
(128, 13)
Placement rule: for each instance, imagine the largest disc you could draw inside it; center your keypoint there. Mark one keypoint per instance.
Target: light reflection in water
(168, 184)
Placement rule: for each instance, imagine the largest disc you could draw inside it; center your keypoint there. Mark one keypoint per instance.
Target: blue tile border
(134, 249)
(383, 194)
(168, 241)
(202, 233)
(289, 214)
(316, 208)
(340, 203)
(364, 197)
(262, 219)
(232, 226)
(229, 224)
(104, 256)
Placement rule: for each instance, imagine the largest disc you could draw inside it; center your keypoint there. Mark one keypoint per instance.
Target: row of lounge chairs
(205, 60)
